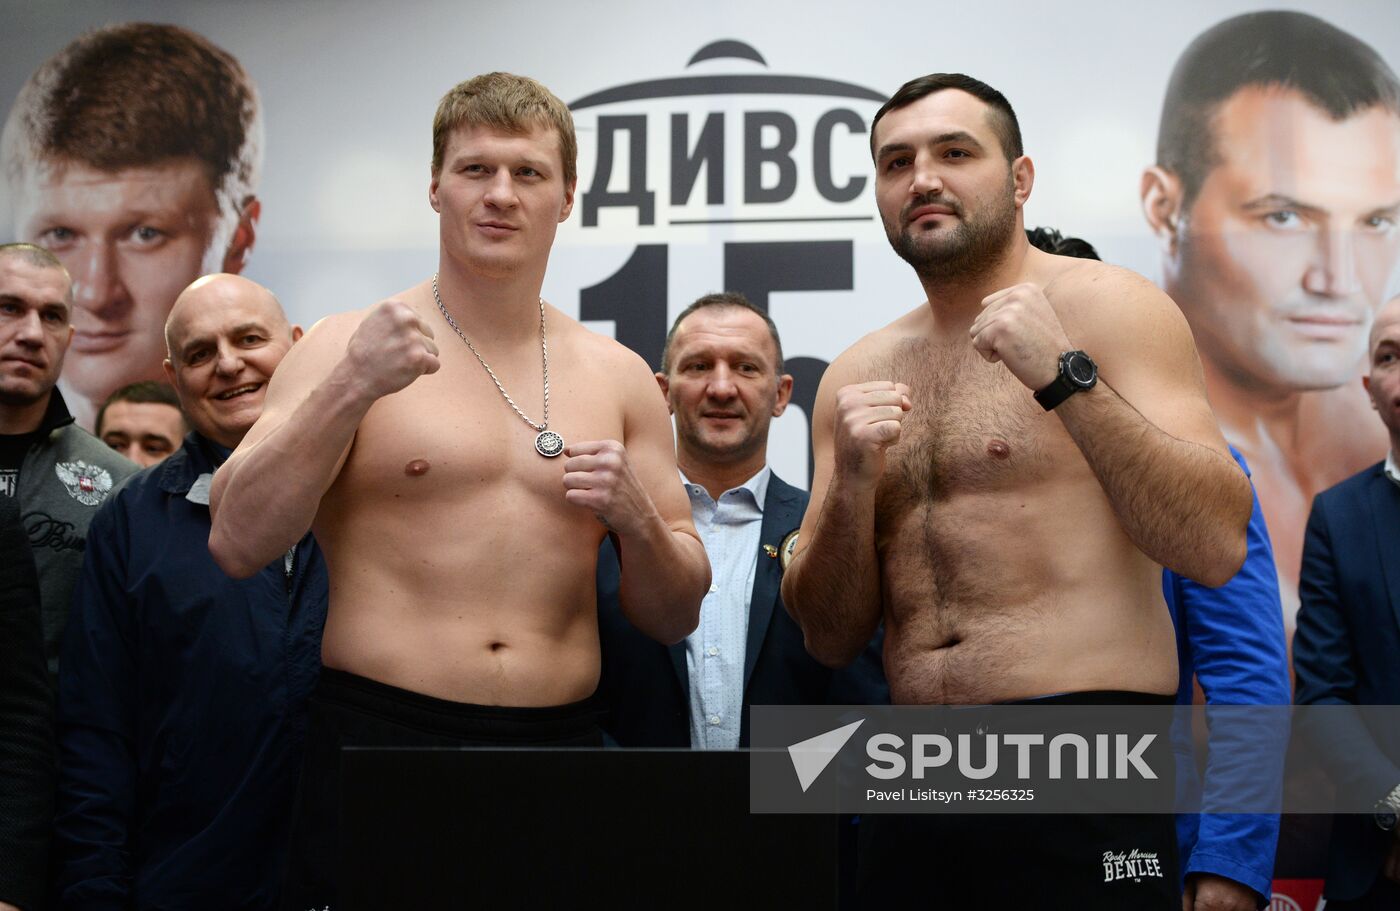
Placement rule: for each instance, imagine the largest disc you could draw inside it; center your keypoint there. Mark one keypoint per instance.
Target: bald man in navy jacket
(1347, 648)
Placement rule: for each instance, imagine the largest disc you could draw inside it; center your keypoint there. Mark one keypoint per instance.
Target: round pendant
(549, 444)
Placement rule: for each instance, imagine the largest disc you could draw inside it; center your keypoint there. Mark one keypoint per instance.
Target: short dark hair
(135, 95)
(722, 299)
(1337, 72)
(35, 255)
(146, 392)
(1001, 117)
(1052, 241)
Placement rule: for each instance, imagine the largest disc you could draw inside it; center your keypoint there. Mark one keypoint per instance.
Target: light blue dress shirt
(714, 653)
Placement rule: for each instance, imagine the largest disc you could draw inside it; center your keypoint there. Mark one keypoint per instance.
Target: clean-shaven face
(144, 432)
(34, 329)
(132, 240)
(1383, 381)
(225, 346)
(723, 386)
(1286, 250)
(501, 196)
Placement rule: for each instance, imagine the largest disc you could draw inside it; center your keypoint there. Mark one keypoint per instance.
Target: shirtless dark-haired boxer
(461, 527)
(1001, 475)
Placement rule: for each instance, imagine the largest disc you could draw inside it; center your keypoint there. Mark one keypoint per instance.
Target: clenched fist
(1211, 892)
(1018, 327)
(598, 477)
(391, 348)
(869, 420)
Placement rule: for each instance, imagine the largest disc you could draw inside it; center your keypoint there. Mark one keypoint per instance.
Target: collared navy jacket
(181, 704)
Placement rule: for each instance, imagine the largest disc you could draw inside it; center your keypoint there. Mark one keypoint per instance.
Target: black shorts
(955, 861)
(349, 710)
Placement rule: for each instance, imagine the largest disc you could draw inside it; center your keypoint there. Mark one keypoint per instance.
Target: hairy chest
(974, 428)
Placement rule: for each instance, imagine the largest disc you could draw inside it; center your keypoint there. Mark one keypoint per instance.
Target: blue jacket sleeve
(97, 725)
(1235, 639)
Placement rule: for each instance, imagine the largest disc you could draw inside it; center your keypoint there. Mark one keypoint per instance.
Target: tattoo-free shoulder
(612, 363)
(336, 326)
(1084, 283)
(854, 364)
(1104, 305)
(602, 350)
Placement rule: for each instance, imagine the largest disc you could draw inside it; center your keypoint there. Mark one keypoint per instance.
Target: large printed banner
(726, 146)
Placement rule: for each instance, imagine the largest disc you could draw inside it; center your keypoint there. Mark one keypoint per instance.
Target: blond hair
(506, 102)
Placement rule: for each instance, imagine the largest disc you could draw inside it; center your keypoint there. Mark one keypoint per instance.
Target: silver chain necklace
(547, 443)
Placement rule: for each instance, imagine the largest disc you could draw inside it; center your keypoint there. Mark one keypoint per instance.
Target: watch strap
(1064, 384)
(1055, 393)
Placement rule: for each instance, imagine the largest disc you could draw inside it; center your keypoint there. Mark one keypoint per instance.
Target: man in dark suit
(1347, 648)
(722, 375)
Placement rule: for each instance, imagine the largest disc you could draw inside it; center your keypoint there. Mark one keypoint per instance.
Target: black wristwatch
(1387, 811)
(1078, 373)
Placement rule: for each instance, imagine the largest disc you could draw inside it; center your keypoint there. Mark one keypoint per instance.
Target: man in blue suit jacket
(722, 375)
(1347, 647)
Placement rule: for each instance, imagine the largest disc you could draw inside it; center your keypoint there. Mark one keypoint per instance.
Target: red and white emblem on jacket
(88, 484)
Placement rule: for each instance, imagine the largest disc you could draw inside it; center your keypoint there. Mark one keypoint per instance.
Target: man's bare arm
(1146, 430)
(634, 489)
(1179, 501)
(832, 587)
(266, 495)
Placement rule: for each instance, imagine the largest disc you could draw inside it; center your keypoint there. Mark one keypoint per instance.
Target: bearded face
(937, 235)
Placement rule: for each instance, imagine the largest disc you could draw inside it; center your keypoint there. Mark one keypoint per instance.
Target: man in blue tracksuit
(1231, 640)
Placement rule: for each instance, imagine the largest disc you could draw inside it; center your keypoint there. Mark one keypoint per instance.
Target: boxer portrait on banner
(133, 154)
(1275, 201)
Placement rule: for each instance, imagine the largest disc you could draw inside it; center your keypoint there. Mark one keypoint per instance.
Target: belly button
(998, 449)
(417, 468)
(497, 646)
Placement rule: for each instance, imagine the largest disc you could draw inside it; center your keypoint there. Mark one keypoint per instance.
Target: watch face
(1080, 368)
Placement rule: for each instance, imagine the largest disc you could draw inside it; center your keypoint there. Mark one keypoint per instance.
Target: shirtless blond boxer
(461, 540)
(1013, 552)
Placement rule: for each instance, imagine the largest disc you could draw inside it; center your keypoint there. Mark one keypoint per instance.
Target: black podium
(557, 828)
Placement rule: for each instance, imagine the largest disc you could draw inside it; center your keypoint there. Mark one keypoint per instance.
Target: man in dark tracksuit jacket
(182, 691)
(59, 472)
